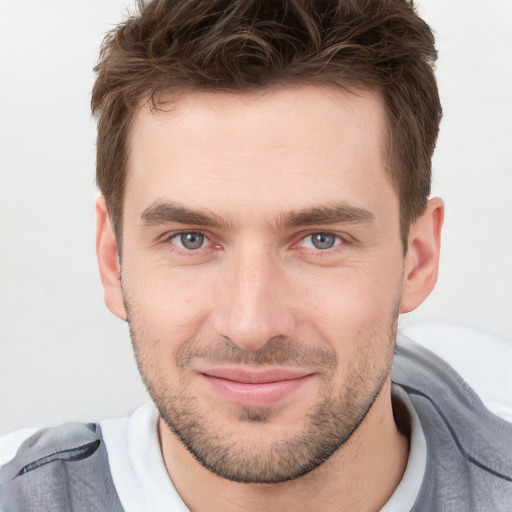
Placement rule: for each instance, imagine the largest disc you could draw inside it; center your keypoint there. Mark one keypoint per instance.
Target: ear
(421, 263)
(108, 260)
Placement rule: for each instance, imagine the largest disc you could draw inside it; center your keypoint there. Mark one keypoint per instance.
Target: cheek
(352, 295)
(355, 313)
(165, 304)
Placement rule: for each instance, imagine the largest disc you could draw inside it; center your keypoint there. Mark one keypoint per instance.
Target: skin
(259, 175)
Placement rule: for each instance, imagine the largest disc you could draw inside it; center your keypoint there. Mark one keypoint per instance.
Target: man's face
(262, 272)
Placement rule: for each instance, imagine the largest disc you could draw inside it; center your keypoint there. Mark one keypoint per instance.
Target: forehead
(283, 148)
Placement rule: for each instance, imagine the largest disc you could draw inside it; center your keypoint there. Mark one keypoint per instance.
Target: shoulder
(64, 468)
(9, 443)
(433, 384)
(66, 442)
(469, 448)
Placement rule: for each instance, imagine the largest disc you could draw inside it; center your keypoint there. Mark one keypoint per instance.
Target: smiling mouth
(255, 388)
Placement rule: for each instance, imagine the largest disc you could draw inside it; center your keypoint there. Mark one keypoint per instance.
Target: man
(264, 218)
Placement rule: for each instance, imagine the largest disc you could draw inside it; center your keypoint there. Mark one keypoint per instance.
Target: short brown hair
(242, 45)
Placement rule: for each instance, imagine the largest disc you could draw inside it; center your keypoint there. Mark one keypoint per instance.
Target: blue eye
(189, 240)
(321, 241)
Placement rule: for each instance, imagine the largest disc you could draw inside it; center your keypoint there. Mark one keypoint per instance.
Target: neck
(361, 475)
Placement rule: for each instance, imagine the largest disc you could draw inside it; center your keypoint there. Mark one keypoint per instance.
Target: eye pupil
(323, 240)
(192, 240)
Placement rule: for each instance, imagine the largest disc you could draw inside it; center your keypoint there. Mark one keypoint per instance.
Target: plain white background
(63, 356)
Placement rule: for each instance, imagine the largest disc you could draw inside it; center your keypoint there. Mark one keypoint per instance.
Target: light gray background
(62, 354)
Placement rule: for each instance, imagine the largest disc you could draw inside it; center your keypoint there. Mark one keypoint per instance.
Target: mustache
(278, 351)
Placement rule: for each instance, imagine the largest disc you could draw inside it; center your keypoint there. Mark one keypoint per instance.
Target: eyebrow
(339, 213)
(163, 212)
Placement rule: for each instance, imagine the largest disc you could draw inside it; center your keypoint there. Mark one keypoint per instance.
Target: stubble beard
(329, 425)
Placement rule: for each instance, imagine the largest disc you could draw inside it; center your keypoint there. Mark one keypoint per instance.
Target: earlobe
(108, 260)
(422, 260)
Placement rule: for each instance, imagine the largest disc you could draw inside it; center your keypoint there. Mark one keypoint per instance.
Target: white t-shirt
(142, 481)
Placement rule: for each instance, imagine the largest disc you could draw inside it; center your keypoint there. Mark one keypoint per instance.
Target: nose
(253, 304)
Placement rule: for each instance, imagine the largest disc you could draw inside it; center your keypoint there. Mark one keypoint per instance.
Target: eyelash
(183, 250)
(341, 241)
